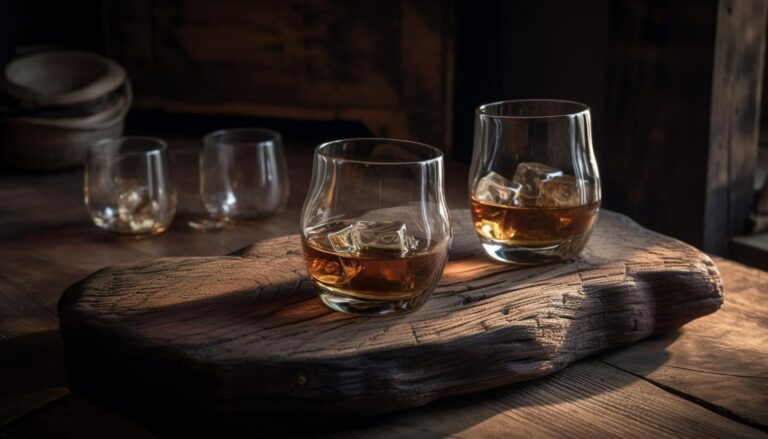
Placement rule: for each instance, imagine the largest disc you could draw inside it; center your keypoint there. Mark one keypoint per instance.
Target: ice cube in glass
(530, 175)
(562, 191)
(494, 188)
(389, 236)
(136, 209)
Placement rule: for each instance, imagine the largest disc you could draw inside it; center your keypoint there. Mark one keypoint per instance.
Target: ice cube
(562, 191)
(341, 240)
(336, 238)
(137, 209)
(337, 271)
(530, 175)
(333, 236)
(390, 236)
(494, 188)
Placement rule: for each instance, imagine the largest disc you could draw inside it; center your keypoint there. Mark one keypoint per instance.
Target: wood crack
(714, 408)
(717, 373)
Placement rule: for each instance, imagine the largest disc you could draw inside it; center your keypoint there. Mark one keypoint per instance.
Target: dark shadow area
(27, 370)
(294, 131)
(647, 355)
(33, 25)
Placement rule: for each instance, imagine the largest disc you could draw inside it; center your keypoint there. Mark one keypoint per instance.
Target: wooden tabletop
(708, 379)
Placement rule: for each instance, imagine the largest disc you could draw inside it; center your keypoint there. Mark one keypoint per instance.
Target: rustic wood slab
(242, 334)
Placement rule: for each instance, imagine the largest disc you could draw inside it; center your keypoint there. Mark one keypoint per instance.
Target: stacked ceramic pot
(56, 104)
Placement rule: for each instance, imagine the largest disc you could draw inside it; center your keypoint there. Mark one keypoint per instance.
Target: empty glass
(534, 183)
(243, 174)
(128, 188)
(375, 227)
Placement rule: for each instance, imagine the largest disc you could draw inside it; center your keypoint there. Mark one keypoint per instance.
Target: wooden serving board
(244, 334)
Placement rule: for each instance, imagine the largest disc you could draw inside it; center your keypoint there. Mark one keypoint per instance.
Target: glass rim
(438, 153)
(159, 145)
(271, 136)
(481, 110)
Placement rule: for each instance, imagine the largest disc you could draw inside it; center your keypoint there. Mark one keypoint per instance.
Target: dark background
(418, 70)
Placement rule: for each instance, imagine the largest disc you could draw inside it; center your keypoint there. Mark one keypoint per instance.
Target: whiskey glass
(534, 184)
(375, 227)
(243, 174)
(128, 188)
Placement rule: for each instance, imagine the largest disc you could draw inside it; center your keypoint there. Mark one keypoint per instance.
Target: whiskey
(375, 274)
(533, 226)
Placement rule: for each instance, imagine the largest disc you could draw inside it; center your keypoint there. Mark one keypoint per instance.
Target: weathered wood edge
(521, 358)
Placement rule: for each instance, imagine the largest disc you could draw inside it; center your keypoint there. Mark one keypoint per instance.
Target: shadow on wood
(230, 337)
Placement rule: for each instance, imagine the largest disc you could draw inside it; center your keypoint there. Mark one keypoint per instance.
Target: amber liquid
(533, 226)
(376, 275)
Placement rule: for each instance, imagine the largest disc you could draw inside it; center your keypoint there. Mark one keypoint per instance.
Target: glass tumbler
(128, 188)
(534, 183)
(375, 227)
(243, 174)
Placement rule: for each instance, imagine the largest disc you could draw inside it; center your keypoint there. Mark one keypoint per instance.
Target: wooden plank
(226, 323)
(14, 407)
(711, 360)
(586, 400)
(735, 113)
(77, 418)
(27, 330)
(32, 359)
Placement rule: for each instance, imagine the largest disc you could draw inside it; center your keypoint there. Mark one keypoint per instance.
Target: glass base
(365, 307)
(522, 255)
(134, 234)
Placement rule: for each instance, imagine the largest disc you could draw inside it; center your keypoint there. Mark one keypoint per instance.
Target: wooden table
(708, 379)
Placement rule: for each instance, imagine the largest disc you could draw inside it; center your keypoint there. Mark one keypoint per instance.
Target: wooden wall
(388, 64)
(655, 146)
(734, 120)
(646, 68)
(673, 84)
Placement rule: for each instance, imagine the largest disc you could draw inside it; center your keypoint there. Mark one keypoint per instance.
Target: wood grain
(654, 67)
(249, 332)
(711, 359)
(587, 400)
(387, 64)
(12, 408)
(734, 122)
(40, 254)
